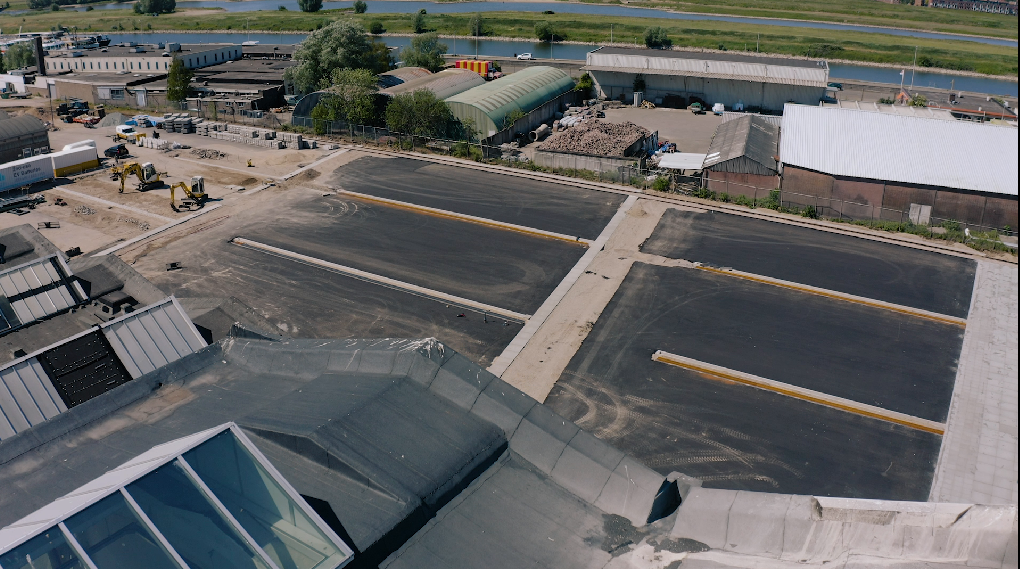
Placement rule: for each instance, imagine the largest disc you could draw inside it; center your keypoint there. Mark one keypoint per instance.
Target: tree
(657, 38)
(376, 28)
(310, 5)
(425, 51)
(919, 101)
(418, 22)
(585, 85)
(340, 45)
(360, 7)
(155, 6)
(178, 81)
(545, 33)
(3, 65)
(19, 55)
(477, 25)
(351, 96)
(418, 113)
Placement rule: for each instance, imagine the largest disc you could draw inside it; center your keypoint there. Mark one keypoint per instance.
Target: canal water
(407, 7)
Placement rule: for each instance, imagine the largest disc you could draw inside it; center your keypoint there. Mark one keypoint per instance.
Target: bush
(661, 184)
(282, 8)
(810, 212)
(657, 38)
(466, 150)
(585, 86)
(545, 33)
(823, 50)
(155, 6)
(310, 5)
(360, 7)
(376, 28)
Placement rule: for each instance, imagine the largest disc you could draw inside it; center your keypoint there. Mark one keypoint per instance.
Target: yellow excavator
(195, 196)
(146, 174)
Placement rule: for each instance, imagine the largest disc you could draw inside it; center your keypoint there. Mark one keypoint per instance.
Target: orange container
(479, 67)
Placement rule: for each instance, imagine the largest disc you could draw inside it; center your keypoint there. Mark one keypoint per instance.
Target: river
(485, 47)
(407, 7)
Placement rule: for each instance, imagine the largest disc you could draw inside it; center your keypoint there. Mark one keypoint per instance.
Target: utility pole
(757, 44)
(610, 33)
(914, 70)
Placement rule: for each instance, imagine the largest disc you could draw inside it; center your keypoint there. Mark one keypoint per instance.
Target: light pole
(913, 69)
(610, 33)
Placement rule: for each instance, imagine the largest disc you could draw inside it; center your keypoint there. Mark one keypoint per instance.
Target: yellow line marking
(945, 319)
(803, 394)
(469, 218)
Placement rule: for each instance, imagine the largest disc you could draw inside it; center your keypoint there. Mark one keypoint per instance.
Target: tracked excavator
(146, 174)
(194, 195)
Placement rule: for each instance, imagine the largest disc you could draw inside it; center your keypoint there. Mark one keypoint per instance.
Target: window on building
(117, 94)
(205, 59)
(148, 65)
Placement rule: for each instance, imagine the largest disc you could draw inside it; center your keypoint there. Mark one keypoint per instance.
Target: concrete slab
(704, 517)
(978, 460)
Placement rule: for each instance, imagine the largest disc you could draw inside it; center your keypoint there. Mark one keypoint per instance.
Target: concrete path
(538, 365)
(978, 461)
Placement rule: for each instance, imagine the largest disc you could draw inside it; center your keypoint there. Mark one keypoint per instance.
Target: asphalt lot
(494, 266)
(741, 437)
(881, 271)
(542, 205)
(309, 302)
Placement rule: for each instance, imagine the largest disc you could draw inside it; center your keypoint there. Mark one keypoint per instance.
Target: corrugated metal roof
(20, 126)
(27, 397)
(806, 73)
(751, 137)
(914, 150)
(682, 161)
(153, 337)
(489, 104)
(401, 75)
(903, 110)
(38, 289)
(444, 84)
(711, 56)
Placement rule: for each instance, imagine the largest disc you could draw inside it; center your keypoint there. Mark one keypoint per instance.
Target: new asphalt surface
(881, 271)
(542, 205)
(735, 436)
(494, 266)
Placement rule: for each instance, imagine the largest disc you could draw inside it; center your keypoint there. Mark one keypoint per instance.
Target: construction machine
(146, 174)
(195, 196)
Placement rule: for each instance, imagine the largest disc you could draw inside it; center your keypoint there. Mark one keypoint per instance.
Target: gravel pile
(112, 119)
(596, 138)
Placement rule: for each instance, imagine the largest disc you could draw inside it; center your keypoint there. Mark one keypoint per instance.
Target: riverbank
(849, 46)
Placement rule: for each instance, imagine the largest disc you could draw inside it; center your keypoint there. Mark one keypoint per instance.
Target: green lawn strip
(813, 42)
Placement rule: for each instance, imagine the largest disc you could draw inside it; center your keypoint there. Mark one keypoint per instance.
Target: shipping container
(75, 160)
(25, 171)
(479, 67)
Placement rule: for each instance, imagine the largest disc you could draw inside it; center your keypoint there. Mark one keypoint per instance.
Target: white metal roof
(915, 150)
(153, 337)
(904, 110)
(38, 289)
(719, 66)
(682, 161)
(27, 397)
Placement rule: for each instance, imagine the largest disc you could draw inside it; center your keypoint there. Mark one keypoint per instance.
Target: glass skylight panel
(190, 522)
(277, 524)
(114, 537)
(46, 551)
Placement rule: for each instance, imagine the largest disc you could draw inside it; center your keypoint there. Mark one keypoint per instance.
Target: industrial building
(860, 164)
(742, 158)
(399, 75)
(444, 84)
(488, 106)
(23, 137)
(140, 58)
(741, 82)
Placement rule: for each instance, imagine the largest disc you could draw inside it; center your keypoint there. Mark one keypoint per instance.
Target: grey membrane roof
(746, 145)
(44, 384)
(862, 144)
(35, 290)
(20, 126)
(416, 457)
(445, 83)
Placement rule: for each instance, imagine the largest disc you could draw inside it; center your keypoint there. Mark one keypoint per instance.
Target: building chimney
(40, 60)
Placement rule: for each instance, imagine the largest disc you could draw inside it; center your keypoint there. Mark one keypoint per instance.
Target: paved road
(882, 271)
(542, 205)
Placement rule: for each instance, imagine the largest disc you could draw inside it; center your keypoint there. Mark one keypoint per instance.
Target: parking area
(777, 388)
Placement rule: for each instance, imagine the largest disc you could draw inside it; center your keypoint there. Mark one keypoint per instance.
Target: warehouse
(488, 106)
(741, 159)
(443, 84)
(22, 137)
(141, 58)
(861, 164)
(741, 82)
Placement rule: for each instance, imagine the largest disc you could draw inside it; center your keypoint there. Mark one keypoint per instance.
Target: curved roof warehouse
(489, 105)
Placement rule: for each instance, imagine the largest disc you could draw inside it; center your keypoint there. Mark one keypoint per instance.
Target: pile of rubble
(209, 153)
(596, 138)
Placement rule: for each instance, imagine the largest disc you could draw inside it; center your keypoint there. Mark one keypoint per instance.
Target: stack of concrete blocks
(293, 140)
(147, 142)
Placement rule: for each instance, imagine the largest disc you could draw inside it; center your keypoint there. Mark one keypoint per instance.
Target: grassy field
(831, 44)
(864, 12)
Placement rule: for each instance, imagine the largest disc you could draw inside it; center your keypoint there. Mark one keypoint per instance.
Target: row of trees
(360, 7)
(155, 6)
(19, 55)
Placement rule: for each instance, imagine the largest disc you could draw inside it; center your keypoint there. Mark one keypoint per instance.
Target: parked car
(830, 100)
(525, 56)
(119, 151)
(836, 86)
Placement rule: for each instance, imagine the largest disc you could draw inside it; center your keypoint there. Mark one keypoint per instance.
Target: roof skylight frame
(131, 471)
